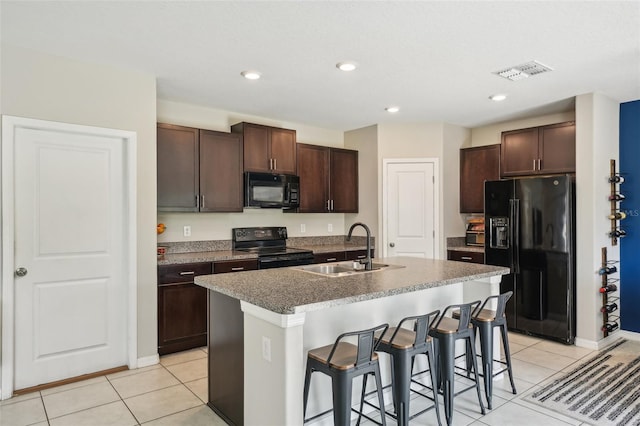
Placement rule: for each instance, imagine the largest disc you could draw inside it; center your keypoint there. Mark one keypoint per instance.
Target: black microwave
(268, 190)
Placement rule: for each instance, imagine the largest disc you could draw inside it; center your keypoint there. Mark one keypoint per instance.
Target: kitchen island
(262, 323)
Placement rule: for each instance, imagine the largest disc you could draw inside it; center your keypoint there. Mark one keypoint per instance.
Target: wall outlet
(303, 228)
(330, 227)
(186, 231)
(266, 348)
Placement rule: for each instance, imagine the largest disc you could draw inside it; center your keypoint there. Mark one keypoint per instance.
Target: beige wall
(365, 141)
(454, 138)
(41, 86)
(217, 226)
(597, 135)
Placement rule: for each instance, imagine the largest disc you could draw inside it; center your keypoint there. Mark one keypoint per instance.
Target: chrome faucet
(367, 261)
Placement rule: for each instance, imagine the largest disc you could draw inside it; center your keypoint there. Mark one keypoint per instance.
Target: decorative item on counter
(160, 228)
(162, 250)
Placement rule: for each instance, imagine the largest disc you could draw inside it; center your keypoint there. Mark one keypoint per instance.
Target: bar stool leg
(434, 383)
(307, 384)
(507, 354)
(486, 350)
(447, 360)
(475, 369)
(341, 384)
(401, 385)
(380, 395)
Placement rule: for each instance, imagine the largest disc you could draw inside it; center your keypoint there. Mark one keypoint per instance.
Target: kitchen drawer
(184, 273)
(465, 256)
(334, 256)
(226, 266)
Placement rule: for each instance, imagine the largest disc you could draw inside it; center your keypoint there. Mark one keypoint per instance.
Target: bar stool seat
(343, 361)
(484, 321)
(403, 345)
(445, 332)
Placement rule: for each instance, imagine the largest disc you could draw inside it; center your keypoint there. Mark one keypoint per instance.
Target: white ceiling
(432, 59)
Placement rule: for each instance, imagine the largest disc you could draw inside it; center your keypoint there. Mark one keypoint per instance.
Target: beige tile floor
(174, 393)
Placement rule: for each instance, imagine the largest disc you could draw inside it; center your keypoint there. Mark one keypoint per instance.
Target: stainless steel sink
(342, 269)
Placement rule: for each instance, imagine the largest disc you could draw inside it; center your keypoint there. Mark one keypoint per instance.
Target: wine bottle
(616, 197)
(606, 270)
(609, 288)
(616, 179)
(610, 326)
(609, 307)
(617, 216)
(618, 233)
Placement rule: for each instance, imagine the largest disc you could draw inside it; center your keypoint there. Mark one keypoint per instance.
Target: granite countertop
(218, 255)
(290, 291)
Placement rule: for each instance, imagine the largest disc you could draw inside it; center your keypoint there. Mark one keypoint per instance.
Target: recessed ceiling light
(346, 66)
(498, 98)
(251, 75)
(392, 109)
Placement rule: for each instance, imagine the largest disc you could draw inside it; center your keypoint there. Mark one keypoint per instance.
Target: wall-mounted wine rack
(615, 197)
(610, 298)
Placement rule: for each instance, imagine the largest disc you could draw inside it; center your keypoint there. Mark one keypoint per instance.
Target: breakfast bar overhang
(262, 323)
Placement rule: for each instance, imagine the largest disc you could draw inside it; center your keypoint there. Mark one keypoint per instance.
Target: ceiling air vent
(523, 71)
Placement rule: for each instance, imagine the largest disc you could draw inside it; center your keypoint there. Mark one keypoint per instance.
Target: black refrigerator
(530, 228)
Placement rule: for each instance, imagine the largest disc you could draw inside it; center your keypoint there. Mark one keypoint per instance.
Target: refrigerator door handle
(514, 213)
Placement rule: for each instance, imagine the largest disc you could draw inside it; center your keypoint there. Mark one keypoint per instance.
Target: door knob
(21, 272)
(392, 244)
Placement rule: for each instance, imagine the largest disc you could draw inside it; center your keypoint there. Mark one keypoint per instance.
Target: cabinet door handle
(239, 268)
(362, 256)
(275, 164)
(539, 164)
(187, 273)
(466, 257)
(197, 201)
(534, 164)
(331, 205)
(328, 205)
(331, 259)
(202, 204)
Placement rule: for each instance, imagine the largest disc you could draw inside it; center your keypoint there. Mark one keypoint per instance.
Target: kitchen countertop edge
(289, 291)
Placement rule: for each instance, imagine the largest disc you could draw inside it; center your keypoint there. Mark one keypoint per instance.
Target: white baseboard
(600, 344)
(148, 360)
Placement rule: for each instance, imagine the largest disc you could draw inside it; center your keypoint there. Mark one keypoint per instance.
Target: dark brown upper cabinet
(477, 165)
(267, 149)
(328, 179)
(539, 150)
(199, 170)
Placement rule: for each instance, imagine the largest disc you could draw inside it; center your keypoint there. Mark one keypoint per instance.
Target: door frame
(7, 343)
(436, 202)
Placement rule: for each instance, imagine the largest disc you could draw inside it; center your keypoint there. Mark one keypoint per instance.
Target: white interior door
(410, 208)
(71, 281)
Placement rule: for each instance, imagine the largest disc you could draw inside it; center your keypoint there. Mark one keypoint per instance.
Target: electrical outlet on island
(186, 231)
(330, 227)
(303, 228)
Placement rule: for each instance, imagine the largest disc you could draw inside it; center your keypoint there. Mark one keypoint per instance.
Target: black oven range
(270, 244)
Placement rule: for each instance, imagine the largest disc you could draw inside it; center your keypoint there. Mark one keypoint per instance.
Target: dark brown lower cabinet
(465, 256)
(182, 307)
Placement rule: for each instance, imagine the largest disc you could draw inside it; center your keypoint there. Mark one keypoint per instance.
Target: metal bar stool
(403, 344)
(343, 361)
(446, 332)
(484, 321)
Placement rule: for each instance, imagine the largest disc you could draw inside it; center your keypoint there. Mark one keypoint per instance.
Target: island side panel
(274, 363)
(226, 358)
